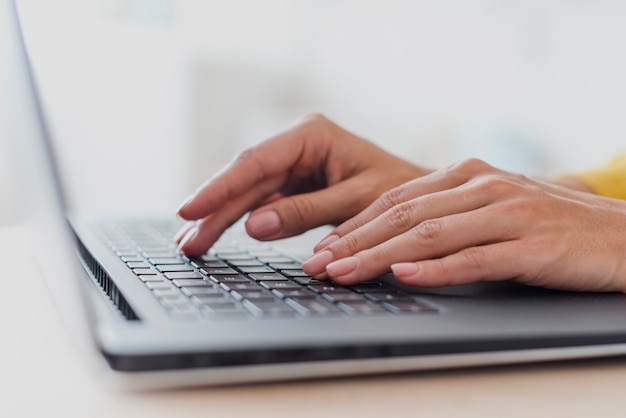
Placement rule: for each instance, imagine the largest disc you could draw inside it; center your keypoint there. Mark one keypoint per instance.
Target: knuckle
(298, 211)
(249, 158)
(390, 198)
(377, 255)
(351, 243)
(314, 117)
(470, 166)
(474, 258)
(496, 185)
(398, 218)
(428, 230)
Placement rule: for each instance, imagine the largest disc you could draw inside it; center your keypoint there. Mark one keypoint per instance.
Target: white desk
(41, 376)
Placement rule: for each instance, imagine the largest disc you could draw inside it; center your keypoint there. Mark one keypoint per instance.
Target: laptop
(146, 317)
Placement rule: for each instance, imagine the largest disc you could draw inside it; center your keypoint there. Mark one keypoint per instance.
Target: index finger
(269, 159)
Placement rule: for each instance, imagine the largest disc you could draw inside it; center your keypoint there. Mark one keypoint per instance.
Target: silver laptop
(245, 311)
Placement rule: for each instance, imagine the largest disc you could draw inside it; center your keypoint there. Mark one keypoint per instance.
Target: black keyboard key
(239, 286)
(265, 277)
(306, 280)
(138, 265)
(361, 307)
(294, 293)
(145, 271)
(175, 267)
(248, 263)
(388, 296)
(212, 299)
(191, 283)
(409, 307)
(328, 287)
(254, 294)
(132, 259)
(318, 306)
(369, 287)
(202, 290)
(335, 297)
(218, 271)
(256, 269)
(272, 258)
(233, 278)
(286, 266)
(268, 308)
(209, 264)
(158, 261)
(275, 284)
(151, 278)
(177, 275)
(224, 310)
(295, 273)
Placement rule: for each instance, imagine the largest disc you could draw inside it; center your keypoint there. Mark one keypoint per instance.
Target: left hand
(472, 222)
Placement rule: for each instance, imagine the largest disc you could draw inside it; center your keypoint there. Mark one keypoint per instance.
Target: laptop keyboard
(242, 277)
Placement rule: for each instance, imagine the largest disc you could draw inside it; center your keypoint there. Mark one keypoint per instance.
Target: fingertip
(264, 225)
(178, 237)
(181, 211)
(326, 242)
(405, 271)
(186, 242)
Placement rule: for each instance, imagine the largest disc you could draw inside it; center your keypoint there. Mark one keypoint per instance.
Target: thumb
(292, 215)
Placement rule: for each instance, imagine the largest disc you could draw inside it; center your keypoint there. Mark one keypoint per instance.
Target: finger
(500, 261)
(209, 229)
(289, 216)
(437, 181)
(423, 216)
(431, 239)
(273, 157)
(183, 231)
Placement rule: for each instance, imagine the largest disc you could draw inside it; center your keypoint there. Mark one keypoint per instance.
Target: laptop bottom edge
(223, 376)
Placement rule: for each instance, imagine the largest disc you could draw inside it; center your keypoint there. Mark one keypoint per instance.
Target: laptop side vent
(104, 281)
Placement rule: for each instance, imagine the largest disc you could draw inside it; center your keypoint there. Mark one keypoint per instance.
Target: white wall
(530, 85)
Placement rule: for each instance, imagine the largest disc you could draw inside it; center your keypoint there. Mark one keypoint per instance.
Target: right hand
(313, 174)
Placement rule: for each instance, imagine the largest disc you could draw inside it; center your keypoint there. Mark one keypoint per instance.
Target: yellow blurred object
(609, 180)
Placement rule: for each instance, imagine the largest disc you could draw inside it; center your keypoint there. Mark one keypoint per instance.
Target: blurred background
(147, 98)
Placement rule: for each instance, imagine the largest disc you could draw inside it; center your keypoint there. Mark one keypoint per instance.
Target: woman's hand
(471, 222)
(313, 174)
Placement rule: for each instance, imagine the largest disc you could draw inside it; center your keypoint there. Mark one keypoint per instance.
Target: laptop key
(239, 286)
(286, 266)
(252, 294)
(401, 307)
(361, 307)
(177, 275)
(191, 283)
(335, 297)
(158, 261)
(317, 306)
(265, 308)
(294, 293)
(268, 277)
(204, 290)
(175, 267)
(209, 271)
(256, 269)
(233, 278)
(295, 273)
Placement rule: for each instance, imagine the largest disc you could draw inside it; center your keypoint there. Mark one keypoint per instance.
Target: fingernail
(185, 203)
(326, 241)
(342, 267)
(404, 269)
(317, 263)
(191, 234)
(264, 224)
